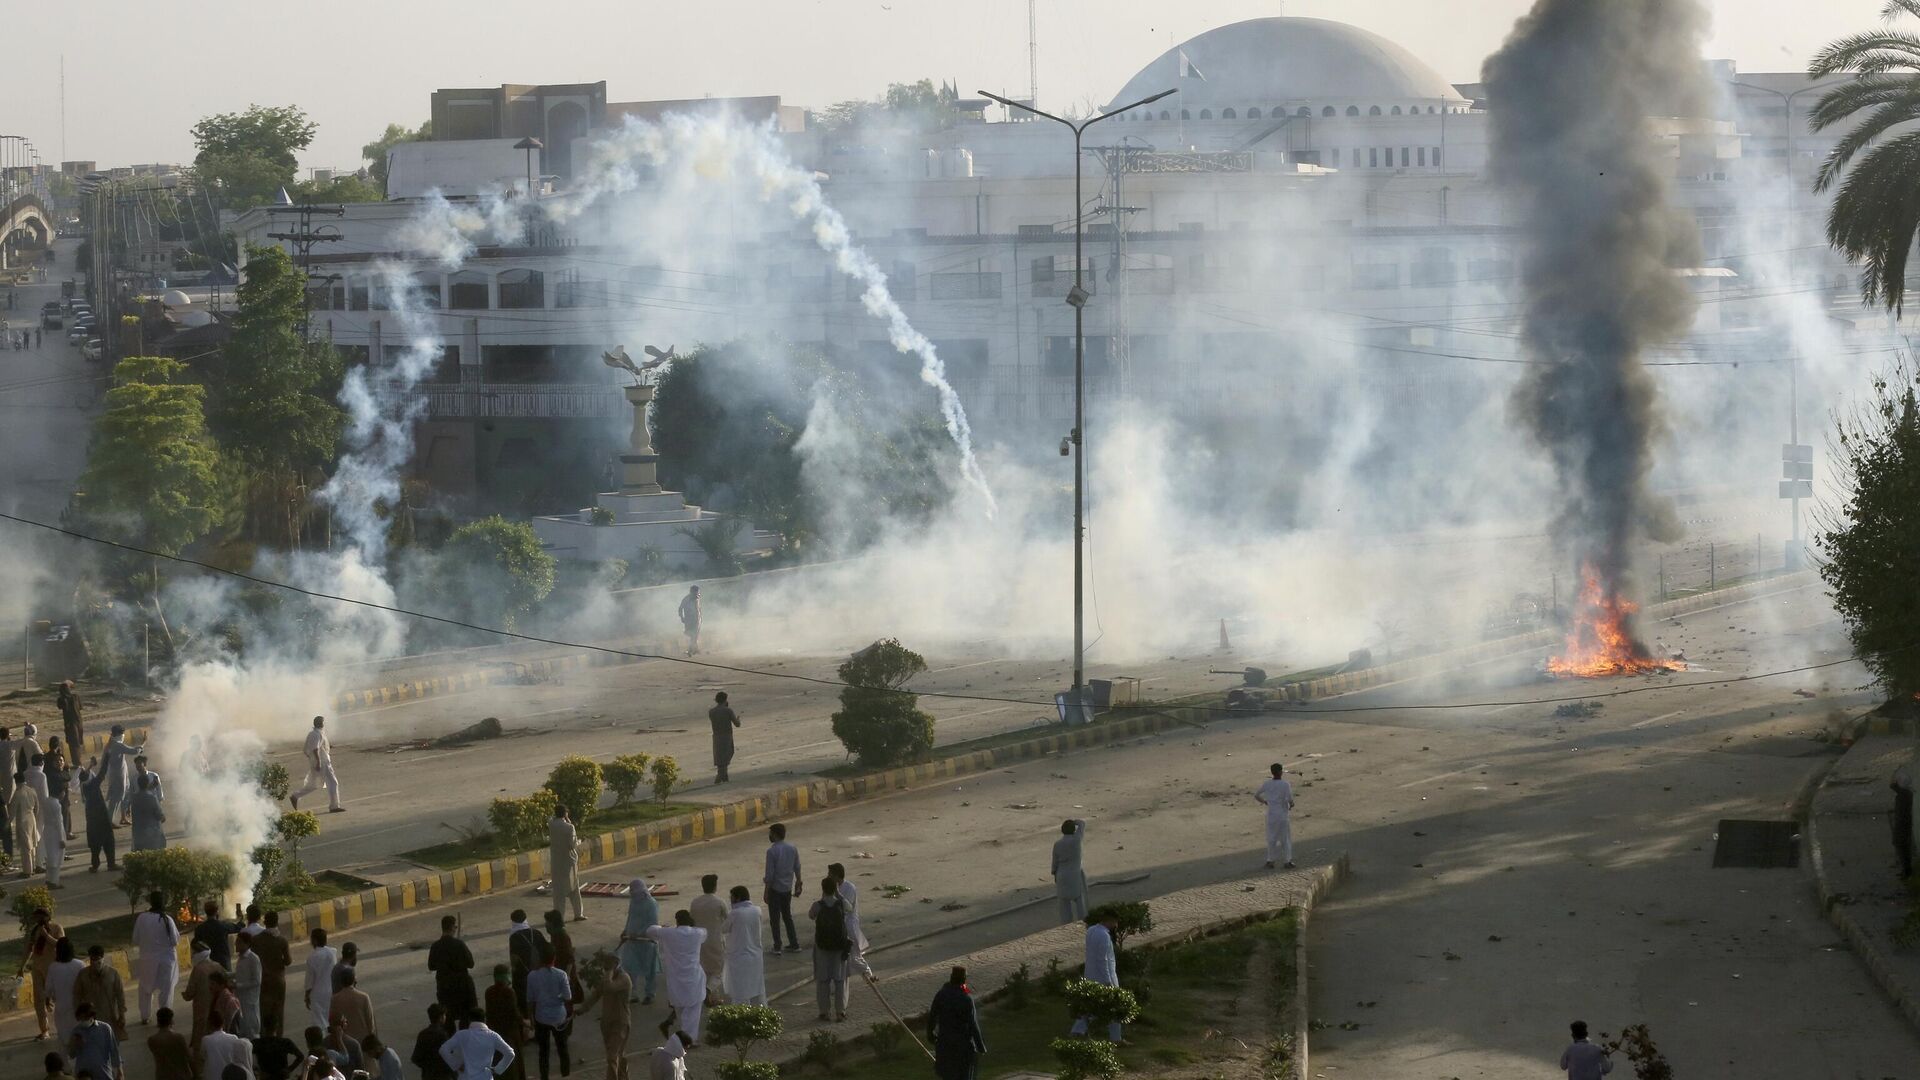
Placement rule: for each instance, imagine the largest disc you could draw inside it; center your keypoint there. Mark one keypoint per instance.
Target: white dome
(176, 298)
(194, 318)
(1290, 63)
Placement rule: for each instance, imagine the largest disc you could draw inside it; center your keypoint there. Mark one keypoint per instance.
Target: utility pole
(1033, 55)
(303, 238)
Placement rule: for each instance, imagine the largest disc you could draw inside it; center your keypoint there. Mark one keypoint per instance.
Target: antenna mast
(1033, 56)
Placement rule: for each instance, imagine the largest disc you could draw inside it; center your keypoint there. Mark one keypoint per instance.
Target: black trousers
(780, 908)
(543, 1034)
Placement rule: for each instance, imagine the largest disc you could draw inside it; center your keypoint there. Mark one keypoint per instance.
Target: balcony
(543, 401)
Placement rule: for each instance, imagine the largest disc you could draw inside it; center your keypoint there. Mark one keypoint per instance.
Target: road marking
(1443, 776)
(979, 712)
(962, 667)
(362, 836)
(1657, 719)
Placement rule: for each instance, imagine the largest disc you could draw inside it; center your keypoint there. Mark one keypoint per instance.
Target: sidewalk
(1855, 867)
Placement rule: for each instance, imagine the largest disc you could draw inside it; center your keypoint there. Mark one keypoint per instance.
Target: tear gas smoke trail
(1573, 89)
(723, 147)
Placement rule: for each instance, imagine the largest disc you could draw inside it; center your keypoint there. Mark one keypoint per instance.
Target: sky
(135, 82)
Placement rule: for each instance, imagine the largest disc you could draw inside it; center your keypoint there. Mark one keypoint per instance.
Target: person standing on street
(320, 768)
(690, 618)
(1069, 880)
(615, 1024)
(953, 1027)
(563, 859)
(23, 813)
(1277, 796)
(637, 952)
(94, 1045)
(276, 956)
(116, 759)
(100, 987)
(172, 1060)
(319, 989)
(246, 985)
(149, 820)
(850, 899)
(782, 880)
(426, 1045)
(1102, 966)
(1902, 822)
(1581, 1059)
(710, 914)
(724, 720)
(550, 1000)
(686, 980)
(452, 965)
(69, 704)
(158, 938)
(99, 816)
(43, 941)
(476, 1052)
(746, 978)
(832, 945)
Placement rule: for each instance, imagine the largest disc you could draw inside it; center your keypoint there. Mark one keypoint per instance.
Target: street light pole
(1077, 297)
(1793, 237)
(529, 144)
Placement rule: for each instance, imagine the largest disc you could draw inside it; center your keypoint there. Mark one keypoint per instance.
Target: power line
(945, 695)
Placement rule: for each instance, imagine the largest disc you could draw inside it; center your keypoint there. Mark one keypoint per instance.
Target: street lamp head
(529, 143)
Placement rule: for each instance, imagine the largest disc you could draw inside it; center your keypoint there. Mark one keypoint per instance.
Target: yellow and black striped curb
(502, 673)
(527, 867)
(1433, 663)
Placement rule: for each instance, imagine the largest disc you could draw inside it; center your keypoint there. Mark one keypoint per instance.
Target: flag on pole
(1187, 70)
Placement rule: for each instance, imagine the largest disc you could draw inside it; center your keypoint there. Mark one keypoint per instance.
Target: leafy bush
(273, 779)
(1106, 1004)
(183, 876)
(623, 776)
(1083, 1059)
(880, 724)
(740, 1026)
(824, 1049)
(1054, 979)
(665, 776)
(575, 783)
(1019, 986)
(522, 821)
(600, 515)
(30, 899)
(1871, 544)
(885, 1037)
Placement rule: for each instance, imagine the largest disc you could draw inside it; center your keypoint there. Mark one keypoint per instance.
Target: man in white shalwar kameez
(1102, 967)
(53, 838)
(319, 768)
(563, 857)
(23, 814)
(319, 992)
(686, 979)
(157, 938)
(116, 760)
(669, 1060)
(746, 977)
(1069, 880)
(1276, 794)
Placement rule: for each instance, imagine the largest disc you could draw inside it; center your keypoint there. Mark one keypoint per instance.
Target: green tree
(919, 106)
(270, 398)
(152, 474)
(253, 154)
(375, 152)
(576, 784)
(1876, 213)
(739, 1027)
(497, 568)
(879, 723)
(346, 188)
(1870, 546)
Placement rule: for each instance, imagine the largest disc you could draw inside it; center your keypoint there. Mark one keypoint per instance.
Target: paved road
(1583, 845)
(48, 395)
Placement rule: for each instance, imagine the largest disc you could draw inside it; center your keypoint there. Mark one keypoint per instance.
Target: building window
(357, 298)
(571, 292)
(1186, 114)
(1165, 115)
(1436, 157)
(426, 291)
(1431, 110)
(1228, 114)
(523, 289)
(1304, 111)
(1353, 110)
(1420, 155)
(1373, 157)
(467, 291)
(965, 286)
(903, 281)
(1253, 113)
(1328, 111)
(1373, 110)
(1406, 157)
(1396, 110)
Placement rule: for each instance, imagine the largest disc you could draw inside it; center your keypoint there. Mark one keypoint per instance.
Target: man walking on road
(1069, 879)
(690, 618)
(563, 858)
(320, 768)
(746, 979)
(680, 946)
(1277, 796)
(724, 720)
(782, 878)
(1582, 1059)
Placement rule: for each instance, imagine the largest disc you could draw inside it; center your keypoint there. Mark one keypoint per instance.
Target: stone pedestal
(638, 463)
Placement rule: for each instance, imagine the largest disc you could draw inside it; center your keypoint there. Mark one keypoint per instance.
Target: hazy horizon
(134, 86)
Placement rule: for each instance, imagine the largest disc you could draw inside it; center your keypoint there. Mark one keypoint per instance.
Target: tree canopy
(496, 570)
(253, 154)
(918, 106)
(375, 152)
(152, 474)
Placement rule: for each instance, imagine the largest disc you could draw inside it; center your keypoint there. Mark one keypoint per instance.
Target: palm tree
(1876, 213)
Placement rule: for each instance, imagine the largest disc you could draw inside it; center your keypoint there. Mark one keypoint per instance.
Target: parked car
(91, 350)
(78, 334)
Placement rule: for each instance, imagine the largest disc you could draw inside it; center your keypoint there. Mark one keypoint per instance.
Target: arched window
(1206, 114)
(1431, 110)
(467, 291)
(1227, 114)
(1165, 115)
(1253, 113)
(523, 289)
(1186, 114)
(1373, 110)
(1328, 111)
(1354, 110)
(1396, 110)
(426, 290)
(1303, 111)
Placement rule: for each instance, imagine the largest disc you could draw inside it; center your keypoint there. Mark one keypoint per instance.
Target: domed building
(1263, 69)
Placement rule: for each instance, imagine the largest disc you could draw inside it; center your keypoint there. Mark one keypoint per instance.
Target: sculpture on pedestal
(637, 464)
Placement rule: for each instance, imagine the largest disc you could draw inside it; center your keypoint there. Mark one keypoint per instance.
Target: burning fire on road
(1601, 642)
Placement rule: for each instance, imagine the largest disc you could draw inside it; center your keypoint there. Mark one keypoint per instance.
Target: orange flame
(1599, 643)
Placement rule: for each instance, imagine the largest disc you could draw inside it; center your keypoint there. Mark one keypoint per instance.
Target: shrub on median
(183, 876)
(522, 822)
(624, 775)
(575, 784)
